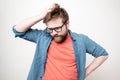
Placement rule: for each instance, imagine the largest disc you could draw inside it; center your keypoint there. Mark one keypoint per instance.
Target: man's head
(57, 22)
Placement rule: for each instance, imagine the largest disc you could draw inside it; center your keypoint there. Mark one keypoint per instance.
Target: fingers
(49, 9)
(52, 7)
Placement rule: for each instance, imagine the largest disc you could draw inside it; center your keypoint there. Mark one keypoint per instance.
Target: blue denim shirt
(81, 44)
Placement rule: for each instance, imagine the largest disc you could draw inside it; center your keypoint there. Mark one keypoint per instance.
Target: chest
(61, 52)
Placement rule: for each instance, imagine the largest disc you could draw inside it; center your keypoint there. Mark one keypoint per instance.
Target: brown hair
(55, 13)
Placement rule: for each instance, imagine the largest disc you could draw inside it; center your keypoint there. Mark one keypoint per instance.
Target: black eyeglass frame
(57, 29)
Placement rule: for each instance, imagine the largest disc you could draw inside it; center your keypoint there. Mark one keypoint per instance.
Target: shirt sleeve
(94, 49)
(30, 35)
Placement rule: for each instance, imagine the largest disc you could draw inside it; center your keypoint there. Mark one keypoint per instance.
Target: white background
(99, 19)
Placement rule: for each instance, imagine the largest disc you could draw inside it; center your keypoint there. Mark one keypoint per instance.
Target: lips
(56, 36)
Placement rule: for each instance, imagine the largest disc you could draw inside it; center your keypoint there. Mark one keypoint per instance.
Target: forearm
(95, 64)
(27, 23)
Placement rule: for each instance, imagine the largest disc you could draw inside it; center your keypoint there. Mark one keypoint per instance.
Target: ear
(68, 23)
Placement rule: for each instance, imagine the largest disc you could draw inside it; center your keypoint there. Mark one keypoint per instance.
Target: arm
(95, 64)
(98, 52)
(24, 25)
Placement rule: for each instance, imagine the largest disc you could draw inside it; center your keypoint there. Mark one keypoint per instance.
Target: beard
(60, 38)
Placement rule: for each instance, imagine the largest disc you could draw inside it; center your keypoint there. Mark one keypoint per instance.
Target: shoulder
(78, 36)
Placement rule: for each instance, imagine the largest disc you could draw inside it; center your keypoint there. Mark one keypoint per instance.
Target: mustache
(56, 35)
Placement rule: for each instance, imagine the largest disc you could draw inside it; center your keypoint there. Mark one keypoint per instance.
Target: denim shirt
(81, 44)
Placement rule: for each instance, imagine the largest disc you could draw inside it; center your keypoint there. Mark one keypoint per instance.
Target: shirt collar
(72, 35)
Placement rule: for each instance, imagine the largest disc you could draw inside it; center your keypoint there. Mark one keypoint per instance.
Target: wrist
(38, 18)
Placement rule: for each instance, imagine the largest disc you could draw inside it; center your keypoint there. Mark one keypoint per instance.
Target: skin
(58, 36)
(25, 24)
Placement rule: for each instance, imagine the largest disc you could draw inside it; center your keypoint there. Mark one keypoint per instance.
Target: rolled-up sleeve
(30, 35)
(94, 49)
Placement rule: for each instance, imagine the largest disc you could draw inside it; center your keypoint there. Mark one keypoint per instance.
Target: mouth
(57, 37)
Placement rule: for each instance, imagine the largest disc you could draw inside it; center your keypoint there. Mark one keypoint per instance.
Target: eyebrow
(57, 27)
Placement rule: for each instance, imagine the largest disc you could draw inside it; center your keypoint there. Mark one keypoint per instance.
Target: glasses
(57, 29)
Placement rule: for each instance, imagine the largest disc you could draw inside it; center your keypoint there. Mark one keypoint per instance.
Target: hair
(55, 13)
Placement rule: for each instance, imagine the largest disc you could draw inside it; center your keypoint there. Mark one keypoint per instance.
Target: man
(60, 54)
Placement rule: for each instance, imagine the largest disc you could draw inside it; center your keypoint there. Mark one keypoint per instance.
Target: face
(59, 30)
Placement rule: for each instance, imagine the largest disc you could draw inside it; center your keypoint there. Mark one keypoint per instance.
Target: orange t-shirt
(61, 63)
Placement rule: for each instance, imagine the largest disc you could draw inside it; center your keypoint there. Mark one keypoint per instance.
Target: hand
(47, 10)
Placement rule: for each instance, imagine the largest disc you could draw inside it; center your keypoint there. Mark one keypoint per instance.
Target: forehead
(54, 22)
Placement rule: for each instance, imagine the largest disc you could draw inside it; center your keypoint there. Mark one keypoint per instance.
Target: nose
(54, 32)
